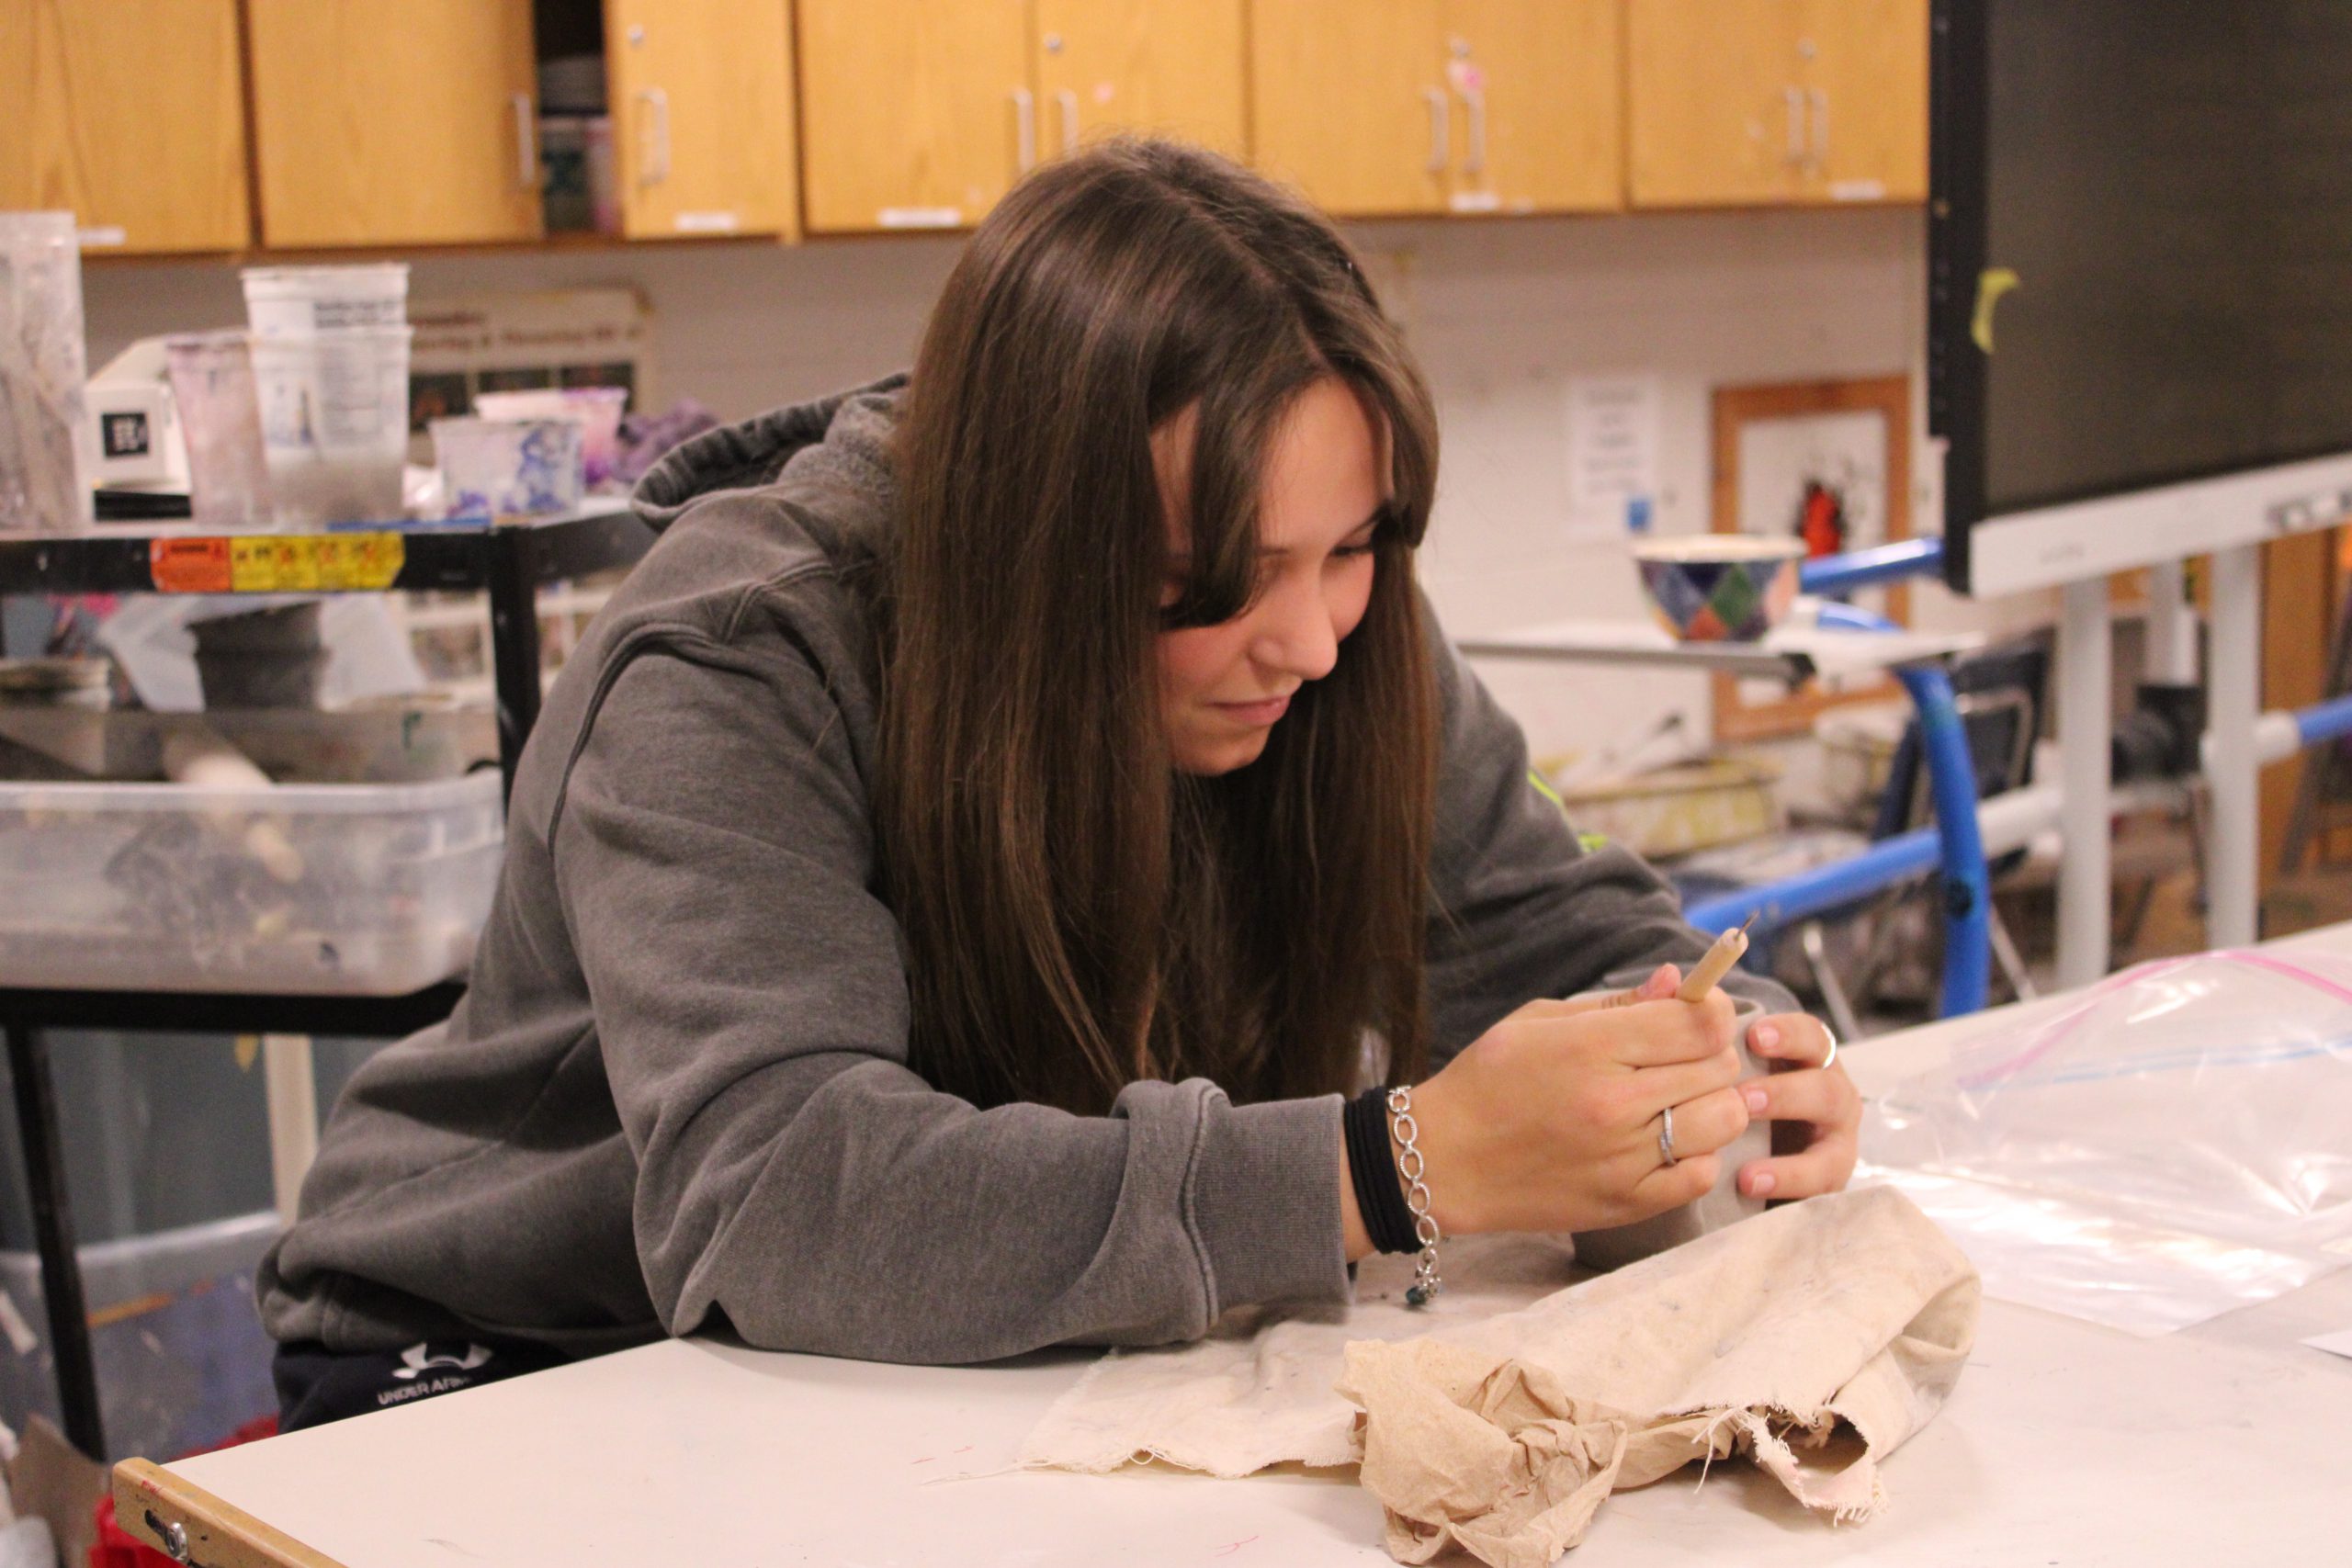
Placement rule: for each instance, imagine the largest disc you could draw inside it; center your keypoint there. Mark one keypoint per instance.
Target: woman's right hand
(1549, 1120)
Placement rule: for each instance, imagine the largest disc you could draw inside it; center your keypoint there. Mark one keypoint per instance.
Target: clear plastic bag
(2173, 1143)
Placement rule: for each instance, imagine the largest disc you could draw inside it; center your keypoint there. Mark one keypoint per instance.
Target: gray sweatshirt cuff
(1266, 1202)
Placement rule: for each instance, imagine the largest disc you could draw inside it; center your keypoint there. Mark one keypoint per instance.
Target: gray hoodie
(675, 1095)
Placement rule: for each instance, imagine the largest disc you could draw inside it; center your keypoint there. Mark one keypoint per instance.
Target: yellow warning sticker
(309, 563)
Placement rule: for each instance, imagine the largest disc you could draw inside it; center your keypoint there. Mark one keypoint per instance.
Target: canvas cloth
(1814, 1338)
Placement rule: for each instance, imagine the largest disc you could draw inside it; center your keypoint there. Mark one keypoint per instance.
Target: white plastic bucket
(297, 301)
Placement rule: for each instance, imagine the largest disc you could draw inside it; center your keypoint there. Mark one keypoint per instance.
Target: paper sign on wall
(1612, 455)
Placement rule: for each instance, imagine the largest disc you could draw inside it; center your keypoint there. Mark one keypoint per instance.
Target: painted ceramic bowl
(1719, 587)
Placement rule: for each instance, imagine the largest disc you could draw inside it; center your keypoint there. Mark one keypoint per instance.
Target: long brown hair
(1078, 915)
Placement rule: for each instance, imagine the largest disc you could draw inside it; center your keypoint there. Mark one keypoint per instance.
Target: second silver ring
(1666, 1137)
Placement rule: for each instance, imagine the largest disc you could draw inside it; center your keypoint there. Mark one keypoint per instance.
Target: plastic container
(220, 412)
(366, 889)
(1677, 811)
(335, 424)
(301, 301)
(598, 409)
(47, 450)
(572, 84)
(510, 468)
(603, 177)
(56, 682)
(271, 658)
(182, 1357)
(414, 737)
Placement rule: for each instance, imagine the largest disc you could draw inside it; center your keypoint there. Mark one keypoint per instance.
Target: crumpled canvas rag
(1815, 1339)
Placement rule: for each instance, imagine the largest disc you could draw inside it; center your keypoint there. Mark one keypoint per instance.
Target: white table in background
(1793, 651)
(2066, 1443)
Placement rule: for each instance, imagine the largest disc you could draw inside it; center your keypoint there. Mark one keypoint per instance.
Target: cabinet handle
(1438, 156)
(1792, 100)
(1025, 126)
(655, 144)
(1068, 100)
(1820, 125)
(527, 142)
(1476, 163)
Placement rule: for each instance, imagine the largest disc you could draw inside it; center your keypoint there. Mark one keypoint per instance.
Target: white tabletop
(1790, 652)
(2066, 1443)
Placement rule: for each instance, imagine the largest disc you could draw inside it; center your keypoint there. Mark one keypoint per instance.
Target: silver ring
(1827, 1062)
(1666, 1135)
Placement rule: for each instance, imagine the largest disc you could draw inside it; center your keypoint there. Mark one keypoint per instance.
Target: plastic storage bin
(327, 889)
(182, 1360)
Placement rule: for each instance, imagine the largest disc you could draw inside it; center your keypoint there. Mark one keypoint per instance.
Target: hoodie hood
(832, 455)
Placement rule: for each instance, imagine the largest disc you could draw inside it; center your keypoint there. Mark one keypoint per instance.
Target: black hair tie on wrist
(1372, 1166)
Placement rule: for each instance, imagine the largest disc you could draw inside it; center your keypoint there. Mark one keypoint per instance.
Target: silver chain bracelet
(1412, 1168)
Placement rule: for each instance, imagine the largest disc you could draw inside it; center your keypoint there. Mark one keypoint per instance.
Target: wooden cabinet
(1347, 102)
(1169, 67)
(701, 94)
(1736, 102)
(1868, 79)
(919, 114)
(132, 116)
(390, 122)
(1403, 106)
(914, 114)
(1539, 87)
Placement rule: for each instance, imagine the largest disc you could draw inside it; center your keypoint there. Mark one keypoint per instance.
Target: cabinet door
(1539, 89)
(1716, 107)
(132, 116)
(1865, 65)
(1170, 67)
(703, 116)
(1348, 100)
(389, 122)
(914, 114)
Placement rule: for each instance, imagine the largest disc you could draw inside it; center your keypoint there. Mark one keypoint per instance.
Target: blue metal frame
(1955, 845)
(2324, 721)
(1868, 569)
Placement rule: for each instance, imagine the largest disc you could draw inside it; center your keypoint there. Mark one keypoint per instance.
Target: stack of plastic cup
(213, 386)
(330, 356)
(47, 452)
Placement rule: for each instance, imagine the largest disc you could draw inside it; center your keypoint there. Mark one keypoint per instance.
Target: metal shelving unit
(510, 564)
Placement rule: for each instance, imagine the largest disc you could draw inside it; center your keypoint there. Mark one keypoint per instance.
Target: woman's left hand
(1802, 1090)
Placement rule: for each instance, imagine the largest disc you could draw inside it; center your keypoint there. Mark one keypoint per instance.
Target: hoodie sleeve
(715, 857)
(1522, 907)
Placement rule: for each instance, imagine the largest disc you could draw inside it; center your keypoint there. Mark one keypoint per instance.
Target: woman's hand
(1549, 1122)
(1804, 1091)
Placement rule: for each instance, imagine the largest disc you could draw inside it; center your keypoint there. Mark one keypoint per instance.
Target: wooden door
(129, 114)
(1539, 90)
(1716, 107)
(395, 122)
(1169, 67)
(1864, 65)
(702, 104)
(1348, 100)
(913, 113)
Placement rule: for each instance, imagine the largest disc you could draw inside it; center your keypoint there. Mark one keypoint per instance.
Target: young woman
(949, 894)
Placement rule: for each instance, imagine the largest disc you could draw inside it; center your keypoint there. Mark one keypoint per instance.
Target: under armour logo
(420, 1357)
